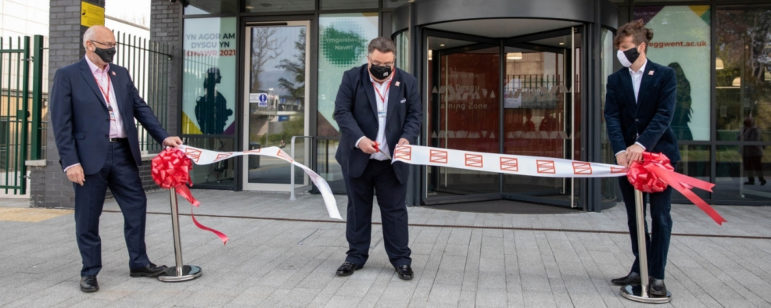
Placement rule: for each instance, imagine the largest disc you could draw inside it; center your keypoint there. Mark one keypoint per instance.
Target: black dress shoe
(631, 279)
(150, 270)
(404, 271)
(657, 288)
(88, 284)
(347, 269)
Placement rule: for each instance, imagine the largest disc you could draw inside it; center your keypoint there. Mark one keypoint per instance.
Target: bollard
(640, 293)
(179, 272)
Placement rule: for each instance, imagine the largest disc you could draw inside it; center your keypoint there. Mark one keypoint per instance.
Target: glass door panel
(463, 111)
(534, 115)
(540, 113)
(275, 99)
(530, 108)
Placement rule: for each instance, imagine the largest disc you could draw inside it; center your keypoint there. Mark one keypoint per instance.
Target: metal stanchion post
(180, 272)
(291, 174)
(639, 293)
(291, 167)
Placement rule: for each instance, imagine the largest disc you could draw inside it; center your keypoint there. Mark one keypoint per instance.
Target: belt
(118, 139)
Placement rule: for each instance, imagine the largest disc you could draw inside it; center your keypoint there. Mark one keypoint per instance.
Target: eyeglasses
(111, 45)
(375, 63)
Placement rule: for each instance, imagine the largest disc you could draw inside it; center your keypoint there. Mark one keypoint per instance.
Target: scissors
(377, 148)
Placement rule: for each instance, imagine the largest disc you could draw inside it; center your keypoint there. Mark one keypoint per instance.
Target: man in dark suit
(93, 107)
(639, 106)
(377, 108)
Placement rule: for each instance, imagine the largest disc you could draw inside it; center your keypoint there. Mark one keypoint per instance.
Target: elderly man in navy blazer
(377, 108)
(639, 106)
(93, 107)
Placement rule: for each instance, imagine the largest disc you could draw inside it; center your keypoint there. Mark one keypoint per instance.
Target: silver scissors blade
(384, 153)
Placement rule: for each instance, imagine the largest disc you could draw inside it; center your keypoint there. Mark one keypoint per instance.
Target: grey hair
(382, 44)
(90, 32)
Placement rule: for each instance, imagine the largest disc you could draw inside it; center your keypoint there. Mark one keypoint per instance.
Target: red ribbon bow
(655, 173)
(171, 168)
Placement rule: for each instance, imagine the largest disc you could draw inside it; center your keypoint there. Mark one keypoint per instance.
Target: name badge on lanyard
(381, 113)
(112, 114)
(106, 95)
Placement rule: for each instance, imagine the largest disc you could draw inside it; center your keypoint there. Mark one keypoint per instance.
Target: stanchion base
(634, 293)
(189, 272)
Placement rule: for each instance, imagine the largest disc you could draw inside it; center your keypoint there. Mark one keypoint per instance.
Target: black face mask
(632, 54)
(105, 54)
(380, 72)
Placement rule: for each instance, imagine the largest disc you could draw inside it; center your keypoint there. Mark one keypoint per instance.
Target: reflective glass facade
(721, 51)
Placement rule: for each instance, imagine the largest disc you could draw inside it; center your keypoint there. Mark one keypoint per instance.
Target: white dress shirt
(382, 108)
(102, 77)
(636, 81)
(637, 78)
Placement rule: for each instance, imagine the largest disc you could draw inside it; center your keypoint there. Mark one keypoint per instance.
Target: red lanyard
(382, 96)
(105, 93)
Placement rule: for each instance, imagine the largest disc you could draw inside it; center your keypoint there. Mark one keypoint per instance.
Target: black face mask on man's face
(380, 72)
(105, 54)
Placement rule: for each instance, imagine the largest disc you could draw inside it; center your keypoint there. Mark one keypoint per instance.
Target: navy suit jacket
(81, 122)
(356, 114)
(648, 120)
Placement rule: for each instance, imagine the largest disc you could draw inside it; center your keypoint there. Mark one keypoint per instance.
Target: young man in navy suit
(93, 107)
(377, 108)
(639, 106)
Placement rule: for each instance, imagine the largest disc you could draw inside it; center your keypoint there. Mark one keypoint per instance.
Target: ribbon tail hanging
(224, 238)
(183, 191)
(677, 182)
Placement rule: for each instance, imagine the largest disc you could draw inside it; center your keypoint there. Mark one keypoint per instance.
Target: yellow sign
(90, 14)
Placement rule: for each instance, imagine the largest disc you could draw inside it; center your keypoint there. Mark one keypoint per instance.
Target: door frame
(501, 43)
(244, 104)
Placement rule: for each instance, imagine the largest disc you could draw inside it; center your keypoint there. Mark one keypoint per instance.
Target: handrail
(291, 169)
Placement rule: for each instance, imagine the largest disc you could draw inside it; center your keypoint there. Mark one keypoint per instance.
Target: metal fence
(22, 128)
(149, 64)
(21, 96)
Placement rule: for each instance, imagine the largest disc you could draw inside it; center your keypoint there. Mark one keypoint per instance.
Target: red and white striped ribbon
(204, 157)
(505, 163)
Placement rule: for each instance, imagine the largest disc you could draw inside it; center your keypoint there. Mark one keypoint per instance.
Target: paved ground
(284, 253)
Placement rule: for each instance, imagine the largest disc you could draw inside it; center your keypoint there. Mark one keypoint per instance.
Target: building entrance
(275, 100)
(516, 91)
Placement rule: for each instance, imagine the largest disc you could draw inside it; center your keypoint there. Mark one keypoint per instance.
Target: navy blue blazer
(648, 120)
(356, 115)
(81, 122)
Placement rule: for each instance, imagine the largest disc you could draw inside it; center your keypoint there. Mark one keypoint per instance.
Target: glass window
(343, 40)
(742, 73)
(681, 41)
(741, 174)
(348, 4)
(209, 76)
(261, 6)
(402, 50)
(276, 77)
(609, 185)
(695, 161)
(217, 175)
(205, 7)
(391, 4)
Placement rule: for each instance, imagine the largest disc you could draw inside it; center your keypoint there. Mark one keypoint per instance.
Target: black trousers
(121, 175)
(657, 242)
(378, 179)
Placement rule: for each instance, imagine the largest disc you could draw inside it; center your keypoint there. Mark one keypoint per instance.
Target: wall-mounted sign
(91, 15)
